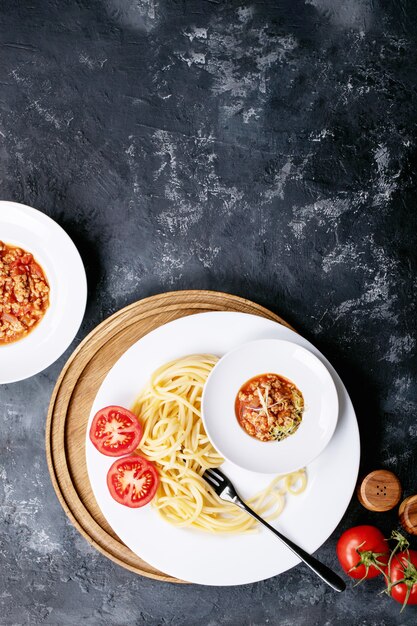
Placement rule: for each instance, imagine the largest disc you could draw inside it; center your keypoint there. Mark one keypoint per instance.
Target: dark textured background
(267, 149)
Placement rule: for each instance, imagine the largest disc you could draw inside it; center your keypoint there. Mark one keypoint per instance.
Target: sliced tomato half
(132, 481)
(115, 431)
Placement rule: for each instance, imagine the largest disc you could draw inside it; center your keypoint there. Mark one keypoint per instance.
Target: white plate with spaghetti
(210, 550)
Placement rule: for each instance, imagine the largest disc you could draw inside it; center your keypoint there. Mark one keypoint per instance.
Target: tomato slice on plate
(115, 431)
(132, 481)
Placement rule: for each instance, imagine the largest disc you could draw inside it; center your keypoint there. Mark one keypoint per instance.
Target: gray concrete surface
(267, 149)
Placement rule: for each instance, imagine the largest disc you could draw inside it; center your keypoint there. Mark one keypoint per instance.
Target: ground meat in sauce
(24, 293)
(274, 417)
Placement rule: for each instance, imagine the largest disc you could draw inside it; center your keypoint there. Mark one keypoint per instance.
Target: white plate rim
(97, 480)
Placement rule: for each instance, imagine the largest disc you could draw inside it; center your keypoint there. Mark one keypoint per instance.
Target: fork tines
(214, 477)
(221, 485)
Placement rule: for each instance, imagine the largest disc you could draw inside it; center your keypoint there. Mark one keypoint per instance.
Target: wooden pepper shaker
(380, 491)
(408, 514)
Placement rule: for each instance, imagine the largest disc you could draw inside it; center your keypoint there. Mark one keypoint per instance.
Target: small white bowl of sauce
(270, 406)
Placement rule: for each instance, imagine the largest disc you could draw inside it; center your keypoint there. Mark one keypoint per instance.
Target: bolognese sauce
(24, 293)
(269, 407)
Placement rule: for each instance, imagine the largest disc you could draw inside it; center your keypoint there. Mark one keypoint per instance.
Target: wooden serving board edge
(75, 518)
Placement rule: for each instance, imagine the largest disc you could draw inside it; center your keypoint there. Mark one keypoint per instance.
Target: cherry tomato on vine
(402, 585)
(363, 552)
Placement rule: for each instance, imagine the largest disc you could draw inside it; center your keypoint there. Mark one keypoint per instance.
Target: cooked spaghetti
(169, 408)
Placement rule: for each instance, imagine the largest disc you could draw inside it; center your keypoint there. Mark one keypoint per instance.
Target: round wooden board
(74, 394)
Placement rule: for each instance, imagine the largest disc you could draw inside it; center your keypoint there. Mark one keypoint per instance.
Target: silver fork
(226, 491)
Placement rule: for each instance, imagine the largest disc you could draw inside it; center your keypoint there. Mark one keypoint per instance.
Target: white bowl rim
(308, 458)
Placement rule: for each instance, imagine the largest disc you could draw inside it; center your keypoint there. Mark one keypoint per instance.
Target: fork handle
(324, 572)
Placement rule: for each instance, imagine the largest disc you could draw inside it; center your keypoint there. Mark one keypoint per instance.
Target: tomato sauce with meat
(269, 407)
(24, 293)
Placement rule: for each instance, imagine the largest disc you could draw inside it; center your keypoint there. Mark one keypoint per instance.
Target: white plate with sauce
(214, 559)
(24, 227)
